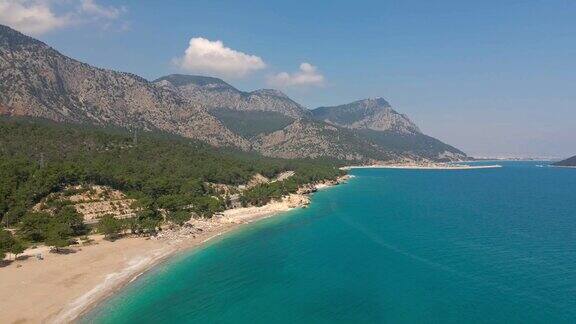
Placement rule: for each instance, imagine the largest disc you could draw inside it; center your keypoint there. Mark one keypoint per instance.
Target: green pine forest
(161, 171)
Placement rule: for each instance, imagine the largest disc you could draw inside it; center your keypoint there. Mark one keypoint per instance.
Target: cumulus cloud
(307, 75)
(38, 17)
(214, 58)
(90, 7)
(32, 17)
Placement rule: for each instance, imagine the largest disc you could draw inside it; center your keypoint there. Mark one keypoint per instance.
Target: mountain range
(38, 81)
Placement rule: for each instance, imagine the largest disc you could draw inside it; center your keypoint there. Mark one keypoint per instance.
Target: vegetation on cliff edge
(162, 172)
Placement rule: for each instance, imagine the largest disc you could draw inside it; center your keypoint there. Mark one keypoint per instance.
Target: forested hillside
(161, 171)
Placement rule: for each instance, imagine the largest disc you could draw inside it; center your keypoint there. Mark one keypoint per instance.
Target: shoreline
(83, 306)
(64, 287)
(423, 167)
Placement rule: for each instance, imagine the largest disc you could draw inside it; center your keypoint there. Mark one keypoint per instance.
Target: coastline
(423, 167)
(63, 287)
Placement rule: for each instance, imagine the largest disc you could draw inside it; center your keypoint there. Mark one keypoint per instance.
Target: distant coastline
(562, 166)
(427, 166)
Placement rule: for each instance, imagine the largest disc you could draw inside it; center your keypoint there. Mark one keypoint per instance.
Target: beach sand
(40, 290)
(61, 287)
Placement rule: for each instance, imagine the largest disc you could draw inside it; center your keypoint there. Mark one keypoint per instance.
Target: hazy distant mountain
(568, 162)
(375, 120)
(38, 81)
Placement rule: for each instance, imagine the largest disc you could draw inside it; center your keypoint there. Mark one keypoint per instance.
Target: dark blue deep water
(391, 246)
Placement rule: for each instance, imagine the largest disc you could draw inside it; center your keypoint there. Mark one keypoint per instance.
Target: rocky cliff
(215, 93)
(374, 114)
(38, 81)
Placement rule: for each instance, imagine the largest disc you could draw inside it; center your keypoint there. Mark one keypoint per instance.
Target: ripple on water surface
(395, 246)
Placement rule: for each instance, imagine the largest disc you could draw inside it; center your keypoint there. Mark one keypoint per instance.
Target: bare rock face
(38, 81)
(375, 120)
(302, 138)
(374, 114)
(92, 202)
(215, 93)
(310, 139)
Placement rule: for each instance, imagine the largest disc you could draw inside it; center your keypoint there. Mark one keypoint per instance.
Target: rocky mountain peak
(11, 37)
(377, 102)
(215, 93)
(182, 80)
(270, 92)
(374, 114)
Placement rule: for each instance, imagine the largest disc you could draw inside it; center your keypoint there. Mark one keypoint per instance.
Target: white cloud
(38, 17)
(212, 57)
(90, 7)
(32, 17)
(307, 75)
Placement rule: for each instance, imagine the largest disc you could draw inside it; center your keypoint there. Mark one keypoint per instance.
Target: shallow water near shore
(393, 246)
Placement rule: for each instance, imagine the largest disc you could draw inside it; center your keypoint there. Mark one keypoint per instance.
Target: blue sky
(490, 77)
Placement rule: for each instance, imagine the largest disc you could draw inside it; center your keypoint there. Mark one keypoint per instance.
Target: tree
(70, 217)
(6, 242)
(110, 227)
(174, 202)
(162, 171)
(58, 235)
(6, 239)
(149, 225)
(34, 226)
(148, 220)
(207, 206)
(179, 217)
(132, 225)
(17, 248)
(12, 216)
(194, 187)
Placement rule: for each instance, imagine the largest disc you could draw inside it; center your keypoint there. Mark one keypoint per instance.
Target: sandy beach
(61, 287)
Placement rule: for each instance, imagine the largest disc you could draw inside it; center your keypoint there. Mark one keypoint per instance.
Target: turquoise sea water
(391, 246)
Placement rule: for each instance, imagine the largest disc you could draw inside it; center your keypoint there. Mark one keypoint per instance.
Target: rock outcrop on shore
(91, 202)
